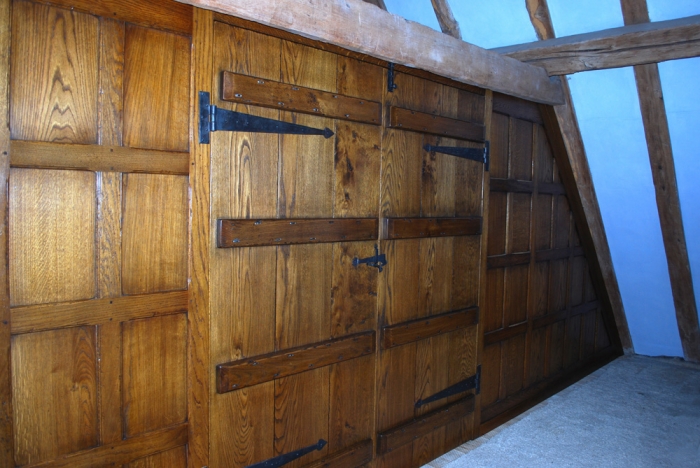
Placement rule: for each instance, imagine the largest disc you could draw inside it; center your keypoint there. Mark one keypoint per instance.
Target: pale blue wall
(420, 11)
(494, 23)
(581, 16)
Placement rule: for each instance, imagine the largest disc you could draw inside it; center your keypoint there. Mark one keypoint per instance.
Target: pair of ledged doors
(345, 267)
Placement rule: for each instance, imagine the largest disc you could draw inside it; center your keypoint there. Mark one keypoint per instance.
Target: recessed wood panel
(154, 233)
(351, 402)
(520, 150)
(154, 373)
(54, 393)
(52, 236)
(399, 290)
(54, 74)
(156, 89)
(173, 458)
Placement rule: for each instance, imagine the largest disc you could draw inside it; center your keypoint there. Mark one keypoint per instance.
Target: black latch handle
(288, 457)
(378, 261)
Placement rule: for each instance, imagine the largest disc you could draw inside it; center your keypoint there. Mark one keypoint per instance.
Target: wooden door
(293, 322)
(98, 223)
(431, 204)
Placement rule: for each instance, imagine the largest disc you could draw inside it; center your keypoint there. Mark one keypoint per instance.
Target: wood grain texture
(395, 386)
(258, 369)
(423, 122)
(518, 108)
(109, 356)
(154, 373)
(54, 95)
(249, 232)
(111, 83)
(97, 158)
(33, 318)
(354, 290)
(351, 414)
(52, 236)
(67, 395)
(109, 242)
(407, 46)
(406, 228)
(631, 45)
(401, 166)
(158, 14)
(250, 90)
(154, 248)
(356, 455)
(155, 103)
(420, 329)
(173, 458)
(540, 18)
(122, 452)
(447, 21)
(508, 260)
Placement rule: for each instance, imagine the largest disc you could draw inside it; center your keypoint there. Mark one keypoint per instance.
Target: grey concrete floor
(635, 412)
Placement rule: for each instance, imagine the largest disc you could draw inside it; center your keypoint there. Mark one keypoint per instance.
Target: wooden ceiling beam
(613, 48)
(360, 27)
(565, 136)
(663, 171)
(448, 23)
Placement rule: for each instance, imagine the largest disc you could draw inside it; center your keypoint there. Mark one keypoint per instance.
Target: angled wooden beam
(360, 27)
(636, 44)
(663, 171)
(447, 21)
(379, 3)
(565, 136)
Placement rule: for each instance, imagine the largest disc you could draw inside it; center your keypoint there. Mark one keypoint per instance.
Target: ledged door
(293, 320)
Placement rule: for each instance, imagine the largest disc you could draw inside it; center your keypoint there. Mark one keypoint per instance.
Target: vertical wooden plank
(438, 180)
(492, 317)
(399, 283)
(351, 402)
(498, 216)
(466, 265)
(490, 374)
(536, 356)
(513, 364)
(516, 295)
(52, 236)
(111, 82)
(435, 276)
(572, 344)
(396, 392)
(463, 353)
(201, 245)
(154, 374)
(558, 284)
(401, 162)
(301, 413)
(354, 290)
(360, 79)
(540, 289)
(519, 222)
(521, 150)
(588, 332)
(54, 94)
(55, 412)
(556, 347)
(432, 369)
(110, 382)
(154, 248)
(303, 294)
(109, 245)
(155, 108)
(173, 458)
(578, 269)
(309, 67)
(6, 404)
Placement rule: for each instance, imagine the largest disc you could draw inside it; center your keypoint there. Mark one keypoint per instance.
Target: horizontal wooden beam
(636, 44)
(356, 455)
(504, 334)
(361, 27)
(425, 327)
(251, 232)
(408, 228)
(407, 119)
(258, 369)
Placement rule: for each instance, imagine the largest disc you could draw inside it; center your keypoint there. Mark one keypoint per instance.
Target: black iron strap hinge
(390, 85)
(473, 154)
(212, 119)
(473, 382)
(288, 457)
(377, 261)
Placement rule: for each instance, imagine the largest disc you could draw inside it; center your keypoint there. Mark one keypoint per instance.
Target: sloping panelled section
(98, 227)
(543, 318)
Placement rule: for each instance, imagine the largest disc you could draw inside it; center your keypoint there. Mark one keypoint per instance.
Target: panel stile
(408, 228)
(422, 328)
(250, 232)
(252, 371)
(407, 119)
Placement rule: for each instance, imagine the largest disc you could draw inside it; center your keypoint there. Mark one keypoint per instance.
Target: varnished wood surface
(259, 369)
(42, 155)
(514, 107)
(249, 232)
(250, 90)
(508, 260)
(407, 119)
(30, 319)
(393, 439)
(407, 228)
(420, 329)
(356, 455)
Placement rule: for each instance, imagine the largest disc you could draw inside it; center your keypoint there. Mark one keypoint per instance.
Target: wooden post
(448, 23)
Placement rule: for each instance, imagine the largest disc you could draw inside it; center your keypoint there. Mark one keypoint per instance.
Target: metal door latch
(377, 261)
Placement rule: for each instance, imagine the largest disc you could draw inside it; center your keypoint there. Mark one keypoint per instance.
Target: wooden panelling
(354, 293)
(558, 254)
(54, 95)
(504, 334)
(406, 433)
(173, 458)
(351, 402)
(508, 260)
(154, 375)
(111, 77)
(396, 392)
(259, 369)
(97, 158)
(156, 105)
(29, 319)
(401, 169)
(154, 247)
(406, 228)
(423, 122)
(525, 186)
(517, 108)
(54, 393)
(249, 232)
(398, 286)
(250, 90)
(52, 236)
(355, 456)
(419, 329)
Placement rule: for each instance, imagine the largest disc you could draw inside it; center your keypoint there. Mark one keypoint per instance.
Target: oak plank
(173, 458)
(407, 119)
(354, 290)
(504, 334)
(258, 369)
(456, 59)
(401, 166)
(251, 232)
(351, 413)
(34, 318)
(558, 254)
(631, 45)
(352, 457)
(407, 228)
(508, 260)
(250, 90)
(390, 440)
(422, 328)
(109, 352)
(111, 83)
(104, 158)
(396, 374)
(511, 185)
